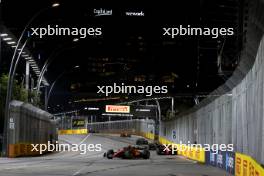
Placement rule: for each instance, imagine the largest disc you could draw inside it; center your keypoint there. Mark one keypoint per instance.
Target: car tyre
(145, 154)
(110, 154)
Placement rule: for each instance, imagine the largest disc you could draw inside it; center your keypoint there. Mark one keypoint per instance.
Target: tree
(34, 98)
(19, 93)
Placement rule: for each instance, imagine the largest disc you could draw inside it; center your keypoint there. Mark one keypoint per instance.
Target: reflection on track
(93, 163)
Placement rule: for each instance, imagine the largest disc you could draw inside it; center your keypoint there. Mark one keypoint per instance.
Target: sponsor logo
(103, 12)
(135, 13)
(116, 108)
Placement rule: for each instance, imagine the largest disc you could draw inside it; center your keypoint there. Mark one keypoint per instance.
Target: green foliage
(19, 92)
(34, 97)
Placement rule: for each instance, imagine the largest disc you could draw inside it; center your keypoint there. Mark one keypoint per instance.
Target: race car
(145, 144)
(125, 134)
(141, 141)
(163, 150)
(152, 146)
(129, 152)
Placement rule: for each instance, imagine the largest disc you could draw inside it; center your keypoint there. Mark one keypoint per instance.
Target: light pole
(12, 71)
(8, 99)
(47, 63)
(51, 88)
(54, 82)
(158, 120)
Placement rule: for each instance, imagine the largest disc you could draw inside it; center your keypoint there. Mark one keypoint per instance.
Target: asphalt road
(93, 163)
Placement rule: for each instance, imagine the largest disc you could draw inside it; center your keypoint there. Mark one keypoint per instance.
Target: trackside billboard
(117, 109)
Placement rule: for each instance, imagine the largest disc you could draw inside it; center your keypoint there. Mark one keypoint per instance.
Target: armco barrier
(74, 131)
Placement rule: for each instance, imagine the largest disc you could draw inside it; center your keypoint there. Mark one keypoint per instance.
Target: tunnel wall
(28, 125)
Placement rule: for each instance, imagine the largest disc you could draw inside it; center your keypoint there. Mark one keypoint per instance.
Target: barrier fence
(235, 119)
(139, 127)
(235, 116)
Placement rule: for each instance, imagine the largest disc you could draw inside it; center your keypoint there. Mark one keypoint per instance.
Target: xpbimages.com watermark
(125, 89)
(188, 30)
(214, 148)
(56, 30)
(57, 147)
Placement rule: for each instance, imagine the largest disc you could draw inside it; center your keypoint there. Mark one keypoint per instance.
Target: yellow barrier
(163, 140)
(22, 149)
(148, 135)
(194, 153)
(75, 131)
(246, 166)
(197, 154)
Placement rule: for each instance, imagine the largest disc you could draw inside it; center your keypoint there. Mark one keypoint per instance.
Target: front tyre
(145, 154)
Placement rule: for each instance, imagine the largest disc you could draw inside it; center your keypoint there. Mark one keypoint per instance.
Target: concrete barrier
(28, 125)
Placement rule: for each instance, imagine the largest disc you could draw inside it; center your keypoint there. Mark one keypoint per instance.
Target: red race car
(129, 152)
(165, 150)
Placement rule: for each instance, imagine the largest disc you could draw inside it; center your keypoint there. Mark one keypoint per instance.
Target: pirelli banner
(117, 109)
(246, 166)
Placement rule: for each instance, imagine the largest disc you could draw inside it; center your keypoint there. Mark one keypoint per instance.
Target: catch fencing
(139, 127)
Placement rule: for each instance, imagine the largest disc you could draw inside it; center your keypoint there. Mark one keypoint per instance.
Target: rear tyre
(145, 154)
(159, 151)
(110, 154)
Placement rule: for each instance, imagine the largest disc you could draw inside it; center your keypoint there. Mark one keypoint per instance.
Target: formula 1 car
(144, 143)
(124, 134)
(129, 152)
(152, 146)
(141, 141)
(163, 150)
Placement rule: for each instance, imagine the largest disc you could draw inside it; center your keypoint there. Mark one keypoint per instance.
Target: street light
(47, 63)
(12, 70)
(55, 4)
(52, 86)
(11, 43)
(3, 35)
(75, 40)
(7, 39)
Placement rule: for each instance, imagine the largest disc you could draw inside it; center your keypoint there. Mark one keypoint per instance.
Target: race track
(93, 163)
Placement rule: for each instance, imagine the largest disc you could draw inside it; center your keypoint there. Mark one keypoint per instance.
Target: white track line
(84, 139)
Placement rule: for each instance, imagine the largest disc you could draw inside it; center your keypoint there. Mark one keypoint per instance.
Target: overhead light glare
(7, 39)
(55, 4)
(3, 35)
(11, 43)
